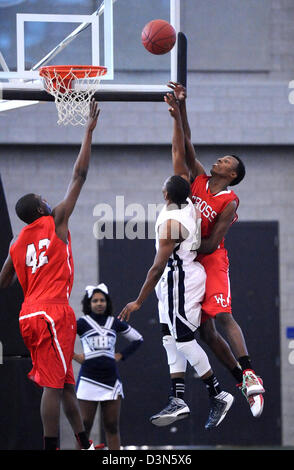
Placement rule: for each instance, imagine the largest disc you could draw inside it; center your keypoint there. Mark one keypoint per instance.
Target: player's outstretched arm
(180, 94)
(178, 139)
(193, 164)
(167, 244)
(62, 211)
(7, 273)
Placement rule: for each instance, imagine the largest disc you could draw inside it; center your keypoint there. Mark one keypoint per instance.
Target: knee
(111, 427)
(176, 361)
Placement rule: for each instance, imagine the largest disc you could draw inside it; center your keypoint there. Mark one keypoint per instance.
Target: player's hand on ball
(179, 90)
(127, 310)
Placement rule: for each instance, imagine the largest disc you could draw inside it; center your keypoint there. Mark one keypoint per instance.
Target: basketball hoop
(72, 87)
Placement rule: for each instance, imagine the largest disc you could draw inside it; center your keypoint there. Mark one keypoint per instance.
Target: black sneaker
(220, 405)
(175, 410)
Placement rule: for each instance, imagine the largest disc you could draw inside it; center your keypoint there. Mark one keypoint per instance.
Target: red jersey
(210, 205)
(43, 262)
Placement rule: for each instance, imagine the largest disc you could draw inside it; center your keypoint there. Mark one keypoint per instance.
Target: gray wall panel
(227, 35)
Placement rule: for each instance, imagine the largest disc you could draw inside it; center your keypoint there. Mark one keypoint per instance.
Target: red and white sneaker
(99, 446)
(256, 402)
(252, 384)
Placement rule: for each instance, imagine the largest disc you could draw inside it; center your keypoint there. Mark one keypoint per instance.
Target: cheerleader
(98, 379)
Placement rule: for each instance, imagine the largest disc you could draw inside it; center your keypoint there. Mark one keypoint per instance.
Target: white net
(72, 92)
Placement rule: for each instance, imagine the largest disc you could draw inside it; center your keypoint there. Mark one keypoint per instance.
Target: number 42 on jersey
(36, 261)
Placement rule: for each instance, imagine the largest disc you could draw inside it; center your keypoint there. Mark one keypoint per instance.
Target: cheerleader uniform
(99, 378)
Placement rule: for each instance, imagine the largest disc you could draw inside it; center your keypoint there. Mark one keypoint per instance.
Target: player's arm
(178, 139)
(193, 164)
(167, 242)
(195, 167)
(62, 212)
(7, 274)
(135, 339)
(210, 244)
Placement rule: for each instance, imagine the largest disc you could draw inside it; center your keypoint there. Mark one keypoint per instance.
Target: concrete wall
(245, 112)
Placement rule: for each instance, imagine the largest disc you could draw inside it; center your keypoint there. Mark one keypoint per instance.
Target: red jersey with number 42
(210, 205)
(43, 262)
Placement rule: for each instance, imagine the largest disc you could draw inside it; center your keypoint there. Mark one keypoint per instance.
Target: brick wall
(247, 112)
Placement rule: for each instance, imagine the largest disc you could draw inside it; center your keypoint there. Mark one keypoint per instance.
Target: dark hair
(178, 189)
(240, 169)
(27, 208)
(86, 303)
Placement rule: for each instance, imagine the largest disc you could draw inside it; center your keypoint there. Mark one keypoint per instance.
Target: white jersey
(186, 250)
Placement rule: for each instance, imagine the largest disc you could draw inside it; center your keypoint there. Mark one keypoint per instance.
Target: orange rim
(80, 71)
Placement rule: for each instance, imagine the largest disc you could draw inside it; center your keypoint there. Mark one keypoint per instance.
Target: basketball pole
(182, 71)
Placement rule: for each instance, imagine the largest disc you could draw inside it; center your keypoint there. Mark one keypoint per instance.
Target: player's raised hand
(128, 309)
(170, 99)
(179, 90)
(94, 112)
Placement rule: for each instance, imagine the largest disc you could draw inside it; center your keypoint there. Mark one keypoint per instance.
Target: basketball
(158, 37)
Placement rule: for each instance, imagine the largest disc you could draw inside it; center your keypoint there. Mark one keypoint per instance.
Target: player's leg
(217, 300)
(176, 408)
(217, 304)
(252, 385)
(218, 345)
(220, 401)
(185, 325)
(66, 329)
(110, 411)
(187, 347)
(50, 414)
(177, 363)
(233, 333)
(186, 293)
(222, 351)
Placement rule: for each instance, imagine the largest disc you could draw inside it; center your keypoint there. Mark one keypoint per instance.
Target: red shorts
(49, 332)
(217, 297)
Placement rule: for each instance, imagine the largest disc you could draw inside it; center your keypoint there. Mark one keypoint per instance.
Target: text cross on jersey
(205, 209)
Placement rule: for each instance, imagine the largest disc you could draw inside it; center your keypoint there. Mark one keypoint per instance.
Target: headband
(90, 289)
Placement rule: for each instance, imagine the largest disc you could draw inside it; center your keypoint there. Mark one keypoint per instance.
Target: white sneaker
(220, 405)
(175, 410)
(251, 383)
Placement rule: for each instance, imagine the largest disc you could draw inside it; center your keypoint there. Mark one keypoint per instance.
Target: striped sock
(212, 385)
(178, 388)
